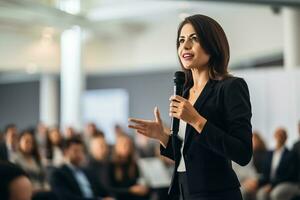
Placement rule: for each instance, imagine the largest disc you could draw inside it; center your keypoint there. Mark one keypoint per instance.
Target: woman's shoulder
(231, 82)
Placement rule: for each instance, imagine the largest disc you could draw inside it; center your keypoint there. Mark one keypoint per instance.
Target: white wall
(275, 98)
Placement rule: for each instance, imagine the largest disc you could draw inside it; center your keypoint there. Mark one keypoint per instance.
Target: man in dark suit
(296, 152)
(70, 181)
(8, 147)
(278, 168)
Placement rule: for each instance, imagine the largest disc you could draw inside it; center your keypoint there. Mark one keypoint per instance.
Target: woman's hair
(260, 146)
(120, 161)
(49, 143)
(214, 42)
(34, 151)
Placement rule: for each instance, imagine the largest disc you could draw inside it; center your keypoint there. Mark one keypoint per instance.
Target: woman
(214, 113)
(259, 152)
(124, 174)
(98, 163)
(29, 160)
(54, 152)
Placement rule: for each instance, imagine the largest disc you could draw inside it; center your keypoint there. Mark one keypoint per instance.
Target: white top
(181, 134)
(275, 161)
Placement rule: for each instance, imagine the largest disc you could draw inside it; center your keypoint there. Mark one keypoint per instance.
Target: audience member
(278, 169)
(296, 151)
(69, 132)
(15, 183)
(41, 137)
(29, 159)
(54, 154)
(70, 181)
(8, 147)
(90, 131)
(259, 152)
(98, 164)
(124, 173)
(249, 175)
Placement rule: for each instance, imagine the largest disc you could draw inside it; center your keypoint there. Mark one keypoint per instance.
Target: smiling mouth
(187, 56)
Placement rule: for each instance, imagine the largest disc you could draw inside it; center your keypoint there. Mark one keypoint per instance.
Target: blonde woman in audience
(28, 158)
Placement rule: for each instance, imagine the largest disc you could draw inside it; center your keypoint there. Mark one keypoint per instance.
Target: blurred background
(72, 63)
(68, 62)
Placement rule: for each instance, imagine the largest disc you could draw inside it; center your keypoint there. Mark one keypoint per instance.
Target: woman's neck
(200, 77)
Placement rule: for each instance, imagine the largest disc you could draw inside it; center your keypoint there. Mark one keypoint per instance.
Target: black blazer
(226, 137)
(64, 184)
(3, 151)
(285, 171)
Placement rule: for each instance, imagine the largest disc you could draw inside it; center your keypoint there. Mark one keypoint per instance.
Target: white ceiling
(113, 22)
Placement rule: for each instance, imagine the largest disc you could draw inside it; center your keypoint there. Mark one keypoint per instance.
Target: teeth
(187, 55)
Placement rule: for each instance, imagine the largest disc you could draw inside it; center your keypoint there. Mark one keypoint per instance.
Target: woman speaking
(214, 114)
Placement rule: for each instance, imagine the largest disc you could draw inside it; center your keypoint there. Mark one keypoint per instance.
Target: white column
(72, 78)
(291, 27)
(49, 100)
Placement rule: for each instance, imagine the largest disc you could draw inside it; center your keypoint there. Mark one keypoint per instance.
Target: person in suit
(8, 147)
(279, 169)
(70, 181)
(214, 113)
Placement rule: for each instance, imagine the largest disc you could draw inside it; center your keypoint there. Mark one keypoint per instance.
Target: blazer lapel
(72, 180)
(198, 105)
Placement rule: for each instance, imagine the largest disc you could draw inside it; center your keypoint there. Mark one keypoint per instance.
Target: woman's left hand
(184, 110)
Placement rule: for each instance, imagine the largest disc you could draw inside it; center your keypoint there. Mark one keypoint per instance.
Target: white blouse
(181, 134)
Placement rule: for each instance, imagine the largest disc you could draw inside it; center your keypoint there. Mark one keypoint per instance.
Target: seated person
(248, 175)
(70, 181)
(15, 183)
(28, 158)
(98, 163)
(8, 146)
(278, 169)
(124, 173)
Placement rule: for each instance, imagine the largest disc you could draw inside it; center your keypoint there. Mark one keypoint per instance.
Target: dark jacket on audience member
(99, 170)
(296, 154)
(226, 137)
(121, 187)
(65, 185)
(285, 171)
(3, 151)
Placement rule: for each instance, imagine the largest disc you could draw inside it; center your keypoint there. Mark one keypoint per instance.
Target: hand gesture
(151, 128)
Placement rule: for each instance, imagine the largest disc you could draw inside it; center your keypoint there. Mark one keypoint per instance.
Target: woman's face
(123, 147)
(55, 137)
(26, 143)
(99, 148)
(190, 52)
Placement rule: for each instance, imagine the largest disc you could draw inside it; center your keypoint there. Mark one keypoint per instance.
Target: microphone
(179, 80)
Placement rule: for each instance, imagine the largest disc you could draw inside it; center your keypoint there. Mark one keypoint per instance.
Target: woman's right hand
(151, 128)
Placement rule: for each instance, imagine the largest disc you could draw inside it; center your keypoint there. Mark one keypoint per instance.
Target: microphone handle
(174, 121)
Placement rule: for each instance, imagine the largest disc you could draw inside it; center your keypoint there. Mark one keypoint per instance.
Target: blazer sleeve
(168, 151)
(174, 143)
(234, 143)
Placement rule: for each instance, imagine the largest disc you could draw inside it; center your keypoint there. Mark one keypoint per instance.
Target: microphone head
(179, 78)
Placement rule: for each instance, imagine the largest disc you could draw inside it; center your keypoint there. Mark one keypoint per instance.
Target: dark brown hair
(130, 161)
(214, 42)
(35, 149)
